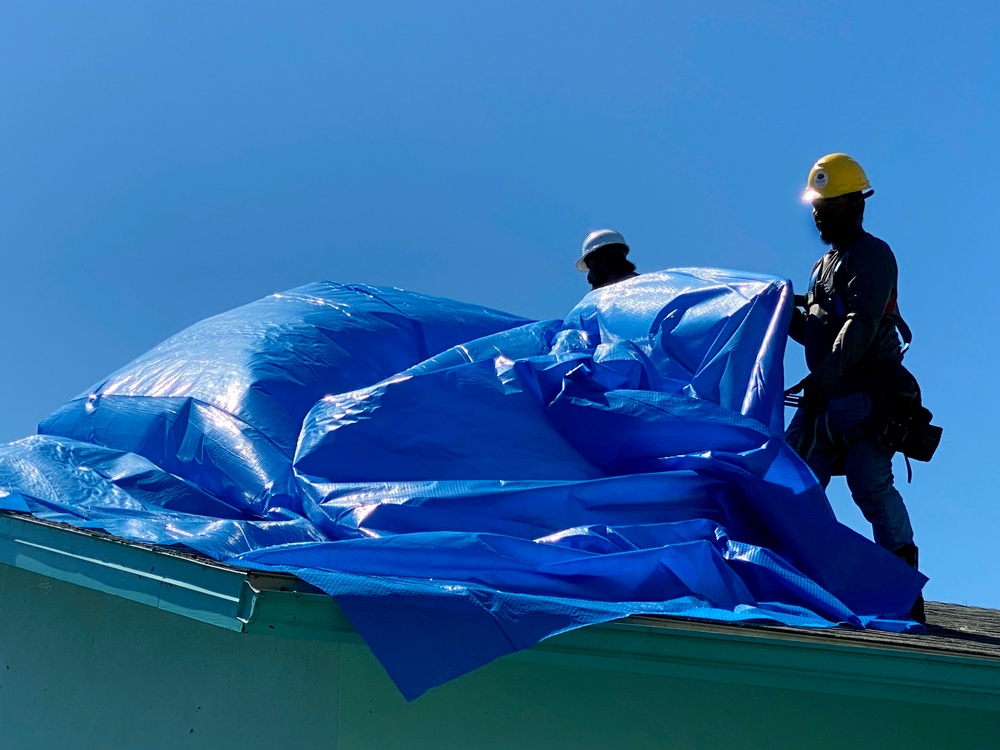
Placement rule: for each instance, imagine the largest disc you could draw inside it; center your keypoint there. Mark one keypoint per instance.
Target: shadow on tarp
(466, 482)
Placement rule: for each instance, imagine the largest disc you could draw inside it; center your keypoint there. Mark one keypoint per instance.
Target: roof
(957, 661)
(951, 629)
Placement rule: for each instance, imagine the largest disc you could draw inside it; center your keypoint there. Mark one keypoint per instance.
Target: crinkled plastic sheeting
(466, 482)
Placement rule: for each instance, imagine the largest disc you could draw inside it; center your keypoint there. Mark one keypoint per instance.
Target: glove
(814, 398)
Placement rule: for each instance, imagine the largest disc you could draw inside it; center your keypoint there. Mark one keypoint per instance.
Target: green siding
(512, 704)
(82, 669)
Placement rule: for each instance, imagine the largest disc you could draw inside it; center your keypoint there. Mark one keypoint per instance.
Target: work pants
(830, 439)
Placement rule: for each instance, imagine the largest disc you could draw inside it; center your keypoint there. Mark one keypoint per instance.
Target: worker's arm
(870, 285)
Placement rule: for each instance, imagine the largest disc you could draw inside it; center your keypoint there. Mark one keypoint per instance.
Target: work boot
(909, 554)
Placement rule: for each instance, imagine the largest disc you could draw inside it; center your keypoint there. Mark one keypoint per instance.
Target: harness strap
(905, 334)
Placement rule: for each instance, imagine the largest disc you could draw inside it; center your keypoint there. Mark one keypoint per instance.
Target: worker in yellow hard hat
(848, 321)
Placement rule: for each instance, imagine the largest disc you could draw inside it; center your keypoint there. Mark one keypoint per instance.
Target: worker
(847, 323)
(603, 259)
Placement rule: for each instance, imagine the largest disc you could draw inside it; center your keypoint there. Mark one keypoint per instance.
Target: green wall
(80, 669)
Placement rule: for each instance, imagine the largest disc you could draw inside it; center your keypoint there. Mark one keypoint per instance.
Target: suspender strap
(905, 334)
(904, 330)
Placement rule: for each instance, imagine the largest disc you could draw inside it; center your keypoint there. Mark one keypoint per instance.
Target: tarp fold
(466, 482)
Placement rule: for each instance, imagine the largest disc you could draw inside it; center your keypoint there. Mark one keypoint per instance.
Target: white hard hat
(597, 240)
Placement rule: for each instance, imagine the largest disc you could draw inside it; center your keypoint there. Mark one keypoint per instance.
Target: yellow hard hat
(833, 175)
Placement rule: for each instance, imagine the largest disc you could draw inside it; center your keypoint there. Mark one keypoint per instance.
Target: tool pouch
(905, 422)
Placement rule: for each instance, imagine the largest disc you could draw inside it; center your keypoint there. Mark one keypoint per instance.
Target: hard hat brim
(810, 195)
(581, 263)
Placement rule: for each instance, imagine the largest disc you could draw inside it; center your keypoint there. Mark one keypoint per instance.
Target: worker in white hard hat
(603, 259)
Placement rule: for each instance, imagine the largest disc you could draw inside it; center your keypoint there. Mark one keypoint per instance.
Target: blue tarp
(466, 482)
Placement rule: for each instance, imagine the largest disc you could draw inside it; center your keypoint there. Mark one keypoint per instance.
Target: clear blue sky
(166, 161)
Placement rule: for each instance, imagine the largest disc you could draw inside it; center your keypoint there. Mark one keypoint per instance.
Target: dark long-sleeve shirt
(849, 324)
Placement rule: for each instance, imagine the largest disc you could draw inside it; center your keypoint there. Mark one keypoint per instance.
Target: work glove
(814, 398)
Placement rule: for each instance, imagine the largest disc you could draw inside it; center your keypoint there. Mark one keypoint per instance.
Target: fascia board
(758, 656)
(202, 591)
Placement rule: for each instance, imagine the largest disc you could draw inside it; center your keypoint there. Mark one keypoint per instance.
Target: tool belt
(902, 423)
(899, 421)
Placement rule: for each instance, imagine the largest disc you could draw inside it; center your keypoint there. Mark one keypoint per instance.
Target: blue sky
(167, 161)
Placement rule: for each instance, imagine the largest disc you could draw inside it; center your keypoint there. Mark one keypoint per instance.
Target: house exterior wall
(82, 669)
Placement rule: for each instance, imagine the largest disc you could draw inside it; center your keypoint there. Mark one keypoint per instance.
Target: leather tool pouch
(905, 422)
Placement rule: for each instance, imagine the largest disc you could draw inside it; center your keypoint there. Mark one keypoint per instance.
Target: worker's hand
(814, 398)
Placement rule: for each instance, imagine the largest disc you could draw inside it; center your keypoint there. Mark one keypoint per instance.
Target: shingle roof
(952, 629)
